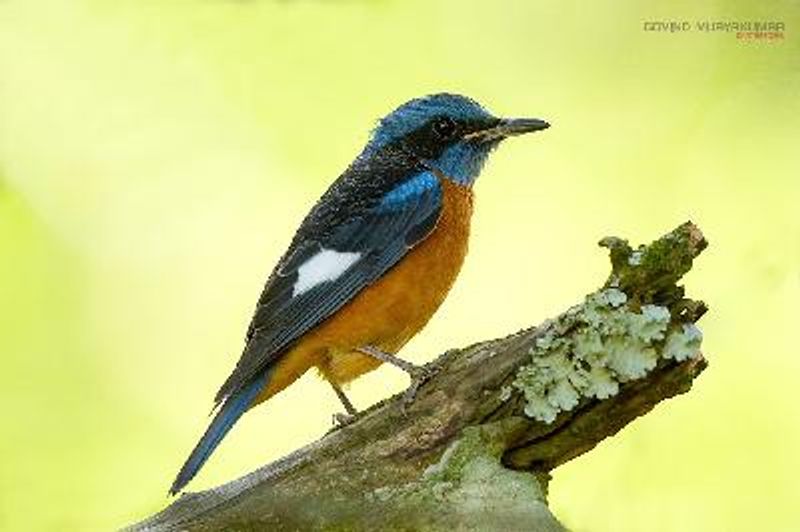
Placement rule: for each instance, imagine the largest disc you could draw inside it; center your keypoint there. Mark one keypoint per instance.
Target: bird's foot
(342, 419)
(419, 376)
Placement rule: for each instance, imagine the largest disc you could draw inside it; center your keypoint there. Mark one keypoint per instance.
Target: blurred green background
(156, 156)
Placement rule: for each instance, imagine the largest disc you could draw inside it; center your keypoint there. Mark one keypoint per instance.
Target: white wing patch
(326, 265)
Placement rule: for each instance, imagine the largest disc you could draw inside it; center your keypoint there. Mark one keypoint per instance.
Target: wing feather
(382, 233)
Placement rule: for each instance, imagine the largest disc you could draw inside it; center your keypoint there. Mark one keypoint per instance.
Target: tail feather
(230, 412)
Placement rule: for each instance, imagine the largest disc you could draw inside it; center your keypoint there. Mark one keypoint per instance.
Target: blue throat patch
(462, 162)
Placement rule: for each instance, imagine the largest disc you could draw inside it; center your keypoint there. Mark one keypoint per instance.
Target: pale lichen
(610, 343)
(683, 343)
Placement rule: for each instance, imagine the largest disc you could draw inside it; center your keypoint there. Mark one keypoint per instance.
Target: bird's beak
(517, 126)
(508, 127)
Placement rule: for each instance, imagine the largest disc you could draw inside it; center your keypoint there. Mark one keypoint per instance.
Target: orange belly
(388, 313)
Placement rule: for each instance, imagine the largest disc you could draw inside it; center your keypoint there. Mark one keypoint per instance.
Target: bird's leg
(343, 419)
(383, 356)
(419, 374)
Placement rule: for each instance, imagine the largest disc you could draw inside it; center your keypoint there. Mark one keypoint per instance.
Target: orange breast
(391, 311)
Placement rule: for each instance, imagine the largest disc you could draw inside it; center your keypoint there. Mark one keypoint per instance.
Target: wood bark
(476, 447)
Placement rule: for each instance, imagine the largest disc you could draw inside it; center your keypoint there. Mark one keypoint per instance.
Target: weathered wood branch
(475, 449)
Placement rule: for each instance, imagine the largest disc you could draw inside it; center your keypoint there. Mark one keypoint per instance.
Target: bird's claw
(419, 376)
(342, 419)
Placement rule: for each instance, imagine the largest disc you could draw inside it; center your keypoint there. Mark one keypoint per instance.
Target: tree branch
(475, 449)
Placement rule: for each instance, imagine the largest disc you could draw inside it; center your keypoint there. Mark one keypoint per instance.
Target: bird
(370, 263)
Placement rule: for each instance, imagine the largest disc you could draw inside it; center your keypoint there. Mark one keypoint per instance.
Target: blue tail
(230, 412)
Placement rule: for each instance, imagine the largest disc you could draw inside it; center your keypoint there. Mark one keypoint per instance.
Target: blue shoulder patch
(408, 191)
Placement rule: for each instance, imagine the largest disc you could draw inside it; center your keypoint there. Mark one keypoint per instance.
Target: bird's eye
(444, 127)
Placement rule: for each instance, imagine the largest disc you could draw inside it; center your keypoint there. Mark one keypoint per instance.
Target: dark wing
(368, 241)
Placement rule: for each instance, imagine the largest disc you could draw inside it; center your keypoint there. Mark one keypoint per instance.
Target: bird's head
(451, 133)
